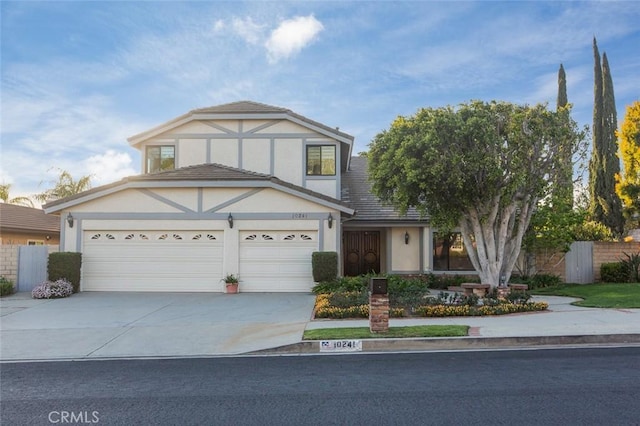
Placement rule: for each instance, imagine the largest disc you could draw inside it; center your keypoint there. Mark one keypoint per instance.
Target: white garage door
(277, 261)
(152, 261)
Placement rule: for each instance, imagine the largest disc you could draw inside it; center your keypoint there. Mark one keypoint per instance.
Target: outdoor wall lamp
(330, 221)
(406, 237)
(230, 220)
(70, 220)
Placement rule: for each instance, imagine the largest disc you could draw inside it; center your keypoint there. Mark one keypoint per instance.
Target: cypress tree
(562, 89)
(563, 180)
(606, 207)
(614, 219)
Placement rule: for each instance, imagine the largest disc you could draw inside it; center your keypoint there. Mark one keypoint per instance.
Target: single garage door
(277, 261)
(152, 261)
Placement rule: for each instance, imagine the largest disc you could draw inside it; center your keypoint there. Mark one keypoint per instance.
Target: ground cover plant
(410, 297)
(599, 295)
(53, 289)
(397, 332)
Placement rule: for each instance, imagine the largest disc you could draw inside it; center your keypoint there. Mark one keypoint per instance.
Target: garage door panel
(152, 261)
(276, 261)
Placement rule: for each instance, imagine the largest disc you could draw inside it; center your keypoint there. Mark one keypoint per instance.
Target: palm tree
(65, 186)
(5, 189)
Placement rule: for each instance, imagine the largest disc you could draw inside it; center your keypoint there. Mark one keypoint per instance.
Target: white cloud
(109, 167)
(219, 25)
(291, 36)
(251, 32)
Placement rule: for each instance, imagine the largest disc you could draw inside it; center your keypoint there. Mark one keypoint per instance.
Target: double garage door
(192, 261)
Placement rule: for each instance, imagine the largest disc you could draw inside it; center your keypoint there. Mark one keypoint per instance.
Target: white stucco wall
(192, 152)
(225, 151)
(288, 161)
(256, 155)
(405, 257)
(323, 186)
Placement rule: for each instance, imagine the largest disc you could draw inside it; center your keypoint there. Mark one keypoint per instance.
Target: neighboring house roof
(249, 110)
(26, 219)
(203, 175)
(356, 191)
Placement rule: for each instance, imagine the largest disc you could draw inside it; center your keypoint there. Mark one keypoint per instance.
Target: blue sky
(78, 78)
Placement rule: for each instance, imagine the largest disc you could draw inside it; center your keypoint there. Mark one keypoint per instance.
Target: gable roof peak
(240, 107)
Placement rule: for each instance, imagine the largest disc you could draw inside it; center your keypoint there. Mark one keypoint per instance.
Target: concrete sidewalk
(112, 325)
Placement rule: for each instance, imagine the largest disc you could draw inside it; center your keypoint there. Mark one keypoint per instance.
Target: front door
(361, 252)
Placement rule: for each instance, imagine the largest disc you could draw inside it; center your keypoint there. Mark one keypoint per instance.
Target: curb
(460, 343)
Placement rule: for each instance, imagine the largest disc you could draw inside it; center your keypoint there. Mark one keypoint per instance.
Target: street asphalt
(95, 325)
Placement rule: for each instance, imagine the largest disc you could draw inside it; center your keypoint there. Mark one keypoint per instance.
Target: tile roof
(20, 218)
(356, 191)
(202, 172)
(244, 107)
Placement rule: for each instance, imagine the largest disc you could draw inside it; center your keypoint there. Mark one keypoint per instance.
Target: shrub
(543, 280)
(52, 290)
(324, 265)
(632, 265)
(615, 272)
(6, 287)
(65, 265)
(592, 231)
(443, 282)
(349, 298)
(360, 283)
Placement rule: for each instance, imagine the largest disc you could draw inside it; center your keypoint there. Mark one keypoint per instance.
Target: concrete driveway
(122, 324)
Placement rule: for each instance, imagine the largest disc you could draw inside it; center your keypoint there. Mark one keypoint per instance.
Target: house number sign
(299, 215)
(340, 345)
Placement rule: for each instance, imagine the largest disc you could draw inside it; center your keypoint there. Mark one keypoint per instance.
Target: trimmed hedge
(65, 265)
(325, 265)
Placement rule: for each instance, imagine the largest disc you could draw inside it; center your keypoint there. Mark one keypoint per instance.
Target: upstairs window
(160, 158)
(321, 160)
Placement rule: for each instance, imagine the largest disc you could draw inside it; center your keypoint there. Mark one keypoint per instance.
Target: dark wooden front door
(361, 252)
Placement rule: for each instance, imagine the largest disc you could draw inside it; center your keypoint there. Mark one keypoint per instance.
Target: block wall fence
(9, 260)
(603, 252)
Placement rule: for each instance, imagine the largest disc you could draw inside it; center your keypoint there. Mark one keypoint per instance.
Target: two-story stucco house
(242, 188)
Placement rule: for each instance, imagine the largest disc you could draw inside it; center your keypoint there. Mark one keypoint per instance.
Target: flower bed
(466, 311)
(324, 309)
(411, 298)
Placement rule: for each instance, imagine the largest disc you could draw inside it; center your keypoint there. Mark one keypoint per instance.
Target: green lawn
(364, 333)
(601, 295)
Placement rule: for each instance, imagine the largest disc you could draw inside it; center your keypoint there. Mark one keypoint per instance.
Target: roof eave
(60, 205)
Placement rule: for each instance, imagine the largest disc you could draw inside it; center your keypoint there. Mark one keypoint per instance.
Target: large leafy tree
(628, 186)
(65, 186)
(480, 167)
(5, 197)
(605, 164)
